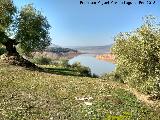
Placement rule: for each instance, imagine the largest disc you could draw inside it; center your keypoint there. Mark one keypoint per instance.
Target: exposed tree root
(19, 60)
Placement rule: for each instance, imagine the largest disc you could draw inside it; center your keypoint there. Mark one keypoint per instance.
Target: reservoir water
(97, 67)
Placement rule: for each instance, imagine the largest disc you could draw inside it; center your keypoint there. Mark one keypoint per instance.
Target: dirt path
(142, 97)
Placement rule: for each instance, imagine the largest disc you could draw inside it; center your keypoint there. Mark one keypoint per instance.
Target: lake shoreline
(97, 67)
(108, 57)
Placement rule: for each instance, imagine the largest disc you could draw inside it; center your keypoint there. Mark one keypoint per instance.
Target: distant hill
(92, 49)
(57, 49)
(56, 52)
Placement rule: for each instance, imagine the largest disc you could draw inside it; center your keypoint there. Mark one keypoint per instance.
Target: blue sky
(89, 25)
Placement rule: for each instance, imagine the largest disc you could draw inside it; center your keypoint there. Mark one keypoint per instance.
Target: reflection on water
(97, 66)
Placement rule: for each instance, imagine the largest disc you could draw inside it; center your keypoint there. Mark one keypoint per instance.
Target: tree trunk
(11, 49)
(13, 56)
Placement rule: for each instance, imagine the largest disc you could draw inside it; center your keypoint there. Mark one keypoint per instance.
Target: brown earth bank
(67, 55)
(106, 57)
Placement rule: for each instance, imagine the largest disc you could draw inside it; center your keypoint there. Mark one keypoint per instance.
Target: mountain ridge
(92, 49)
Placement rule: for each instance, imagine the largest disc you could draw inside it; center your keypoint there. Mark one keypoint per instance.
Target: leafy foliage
(7, 12)
(82, 69)
(2, 50)
(138, 56)
(27, 27)
(42, 60)
(32, 29)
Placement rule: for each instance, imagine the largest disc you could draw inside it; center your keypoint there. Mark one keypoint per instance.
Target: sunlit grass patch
(26, 94)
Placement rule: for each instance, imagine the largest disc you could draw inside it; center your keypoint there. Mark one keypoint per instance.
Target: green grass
(33, 95)
(60, 70)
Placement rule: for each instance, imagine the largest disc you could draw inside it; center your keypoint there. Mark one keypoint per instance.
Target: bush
(113, 76)
(61, 63)
(94, 75)
(76, 65)
(65, 63)
(42, 60)
(85, 71)
(138, 57)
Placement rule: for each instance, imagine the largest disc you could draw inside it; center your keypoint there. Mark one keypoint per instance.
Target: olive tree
(27, 29)
(138, 56)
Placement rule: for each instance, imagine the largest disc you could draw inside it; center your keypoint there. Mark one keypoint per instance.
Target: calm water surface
(97, 66)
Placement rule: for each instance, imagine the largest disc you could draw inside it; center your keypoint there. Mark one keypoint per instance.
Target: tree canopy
(27, 27)
(138, 56)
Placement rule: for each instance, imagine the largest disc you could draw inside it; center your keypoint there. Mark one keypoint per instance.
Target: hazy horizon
(90, 25)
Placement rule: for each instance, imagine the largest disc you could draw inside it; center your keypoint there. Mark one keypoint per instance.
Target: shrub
(95, 75)
(138, 56)
(61, 63)
(42, 60)
(76, 65)
(65, 63)
(113, 76)
(85, 71)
